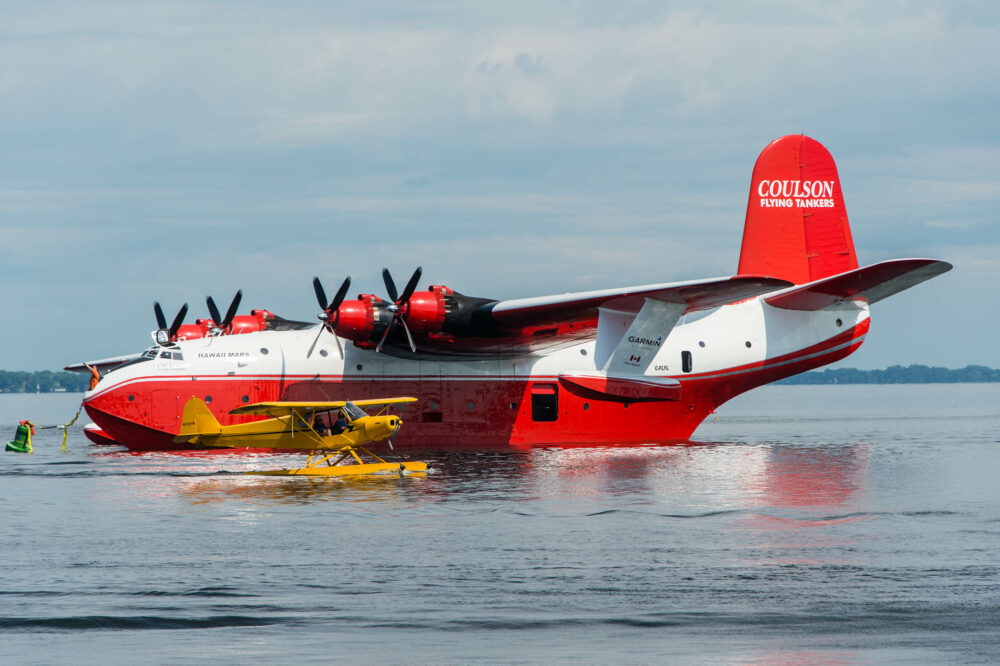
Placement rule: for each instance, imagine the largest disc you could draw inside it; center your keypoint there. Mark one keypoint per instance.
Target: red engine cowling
(355, 320)
(364, 320)
(251, 323)
(201, 328)
(425, 311)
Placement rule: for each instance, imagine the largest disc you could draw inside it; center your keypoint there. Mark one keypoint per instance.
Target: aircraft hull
(456, 410)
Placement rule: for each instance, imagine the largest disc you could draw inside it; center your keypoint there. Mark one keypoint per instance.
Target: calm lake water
(809, 524)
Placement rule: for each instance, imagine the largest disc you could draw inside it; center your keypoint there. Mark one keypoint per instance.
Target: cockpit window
(172, 355)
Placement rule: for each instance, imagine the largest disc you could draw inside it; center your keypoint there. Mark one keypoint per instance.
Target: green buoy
(22, 438)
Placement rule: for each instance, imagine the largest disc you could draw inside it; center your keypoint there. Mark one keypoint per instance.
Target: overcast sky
(169, 150)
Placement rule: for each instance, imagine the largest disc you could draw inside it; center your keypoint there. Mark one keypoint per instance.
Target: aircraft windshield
(145, 356)
(353, 411)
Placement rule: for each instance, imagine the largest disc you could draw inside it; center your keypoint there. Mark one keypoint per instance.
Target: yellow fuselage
(279, 433)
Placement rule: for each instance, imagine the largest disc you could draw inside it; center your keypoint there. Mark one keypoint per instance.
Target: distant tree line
(897, 374)
(45, 381)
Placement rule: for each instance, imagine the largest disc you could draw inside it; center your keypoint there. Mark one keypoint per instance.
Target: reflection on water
(301, 489)
(813, 525)
(711, 476)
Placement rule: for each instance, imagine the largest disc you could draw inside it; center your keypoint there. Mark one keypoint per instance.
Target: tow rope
(25, 429)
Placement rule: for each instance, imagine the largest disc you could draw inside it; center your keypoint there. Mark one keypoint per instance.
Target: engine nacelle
(356, 320)
(251, 323)
(201, 328)
(426, 311)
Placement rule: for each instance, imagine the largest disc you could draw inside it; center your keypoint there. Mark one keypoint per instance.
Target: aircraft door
(544, 402)
(164, 410)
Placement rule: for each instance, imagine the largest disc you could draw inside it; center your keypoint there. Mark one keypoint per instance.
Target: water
(811, 524)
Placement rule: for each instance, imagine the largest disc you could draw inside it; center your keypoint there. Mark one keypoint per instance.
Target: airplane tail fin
(196, 421)
(796, 225)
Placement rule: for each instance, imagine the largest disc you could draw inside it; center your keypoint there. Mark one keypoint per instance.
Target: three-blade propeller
(328, 316)
(230, 313)
(161, 322)
(399, 303)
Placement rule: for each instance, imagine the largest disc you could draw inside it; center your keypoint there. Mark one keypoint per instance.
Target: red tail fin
(796, 226)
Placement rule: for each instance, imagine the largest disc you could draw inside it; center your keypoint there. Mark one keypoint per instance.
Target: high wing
(101, 364)
(695, 294)
(279, 409)
(483, 327)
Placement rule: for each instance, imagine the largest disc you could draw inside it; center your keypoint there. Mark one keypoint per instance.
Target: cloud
(183, 148)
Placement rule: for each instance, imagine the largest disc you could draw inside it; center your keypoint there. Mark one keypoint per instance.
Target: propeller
(392, 437)
(328, 311)
(399, 302)
(161, 321)
(230, 313)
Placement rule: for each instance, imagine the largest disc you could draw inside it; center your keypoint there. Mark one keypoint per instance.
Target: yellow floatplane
(336, 434)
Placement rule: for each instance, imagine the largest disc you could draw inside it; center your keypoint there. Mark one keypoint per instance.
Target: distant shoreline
(897, 374)
(44, 381)
(47, 381)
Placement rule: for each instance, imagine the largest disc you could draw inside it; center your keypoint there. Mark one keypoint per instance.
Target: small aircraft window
(353, 411)
(701, 343)
(840, 322)
(322, 352)
(149, 353)
(245, 399)
(263, 350)
(686, 361)
(208, 398)
(748, 344)
(544, 402)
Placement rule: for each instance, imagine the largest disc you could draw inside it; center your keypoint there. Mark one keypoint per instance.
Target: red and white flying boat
(642, 364)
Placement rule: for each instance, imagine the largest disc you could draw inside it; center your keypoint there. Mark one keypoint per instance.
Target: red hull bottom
(466, 412)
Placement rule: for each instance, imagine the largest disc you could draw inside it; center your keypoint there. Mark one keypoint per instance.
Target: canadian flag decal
(633, 359)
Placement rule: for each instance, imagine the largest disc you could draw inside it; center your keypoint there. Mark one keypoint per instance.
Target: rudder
(796, 225)
(197, 420)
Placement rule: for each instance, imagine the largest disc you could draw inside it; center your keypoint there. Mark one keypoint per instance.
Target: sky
(165, 151)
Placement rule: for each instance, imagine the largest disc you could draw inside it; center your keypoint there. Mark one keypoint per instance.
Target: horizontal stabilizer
(872, 283)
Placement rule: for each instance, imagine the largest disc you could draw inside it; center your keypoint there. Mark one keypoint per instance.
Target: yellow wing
(279, 409)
